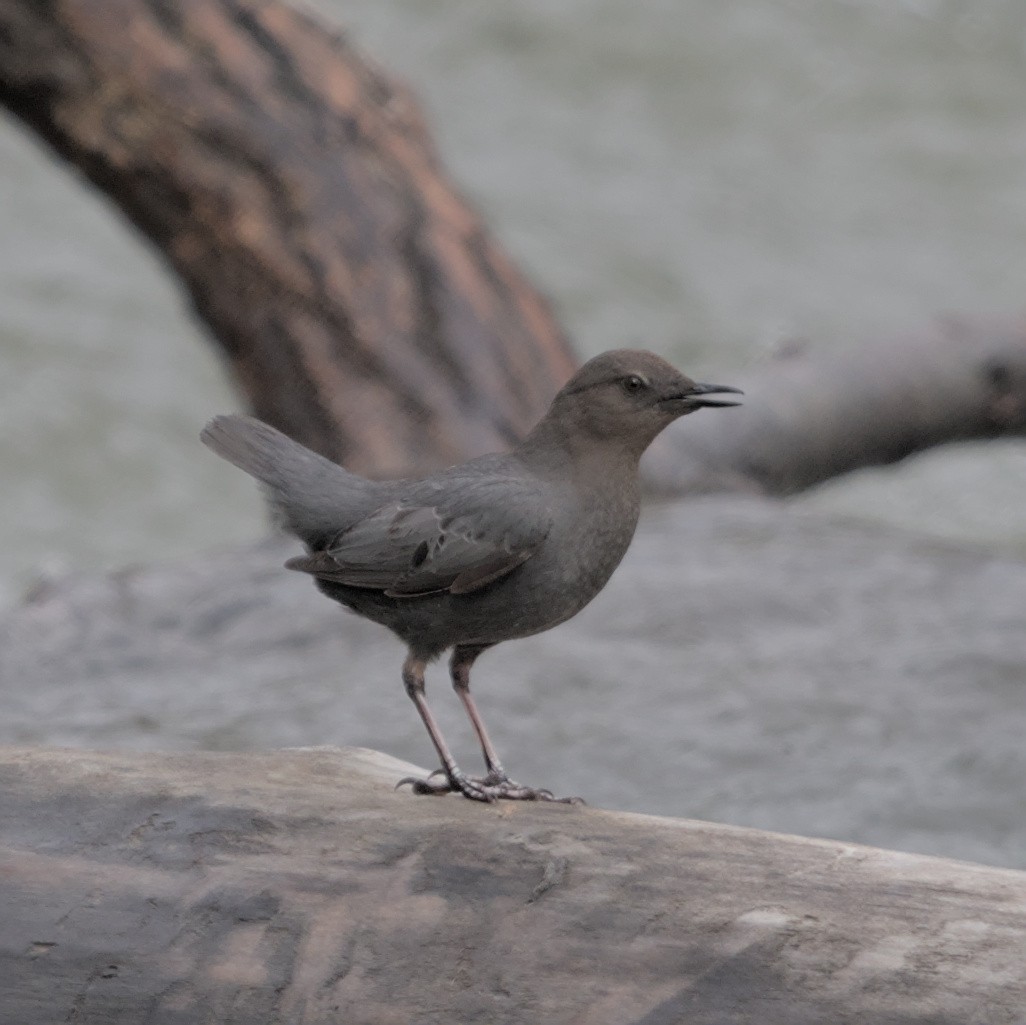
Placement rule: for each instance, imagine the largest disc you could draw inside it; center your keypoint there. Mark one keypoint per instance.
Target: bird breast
(579, 556)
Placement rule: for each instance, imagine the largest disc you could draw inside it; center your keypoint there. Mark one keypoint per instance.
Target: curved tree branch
(361, 304)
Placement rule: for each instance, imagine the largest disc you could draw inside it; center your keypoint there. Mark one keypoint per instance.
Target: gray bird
(502, 546)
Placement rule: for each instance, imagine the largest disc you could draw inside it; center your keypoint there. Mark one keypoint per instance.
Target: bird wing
(456, 537)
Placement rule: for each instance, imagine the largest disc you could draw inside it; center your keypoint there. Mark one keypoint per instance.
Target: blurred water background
(702, 178)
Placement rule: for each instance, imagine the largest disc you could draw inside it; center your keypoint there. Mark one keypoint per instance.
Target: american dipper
(502, 546)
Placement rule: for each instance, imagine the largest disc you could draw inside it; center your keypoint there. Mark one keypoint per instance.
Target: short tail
(311, 495)
(257, 448)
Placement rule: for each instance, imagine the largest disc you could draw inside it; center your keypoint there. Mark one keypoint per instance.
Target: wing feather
(458, 536)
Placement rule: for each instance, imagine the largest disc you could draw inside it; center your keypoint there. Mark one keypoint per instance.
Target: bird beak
(694, 397)
(713, 389)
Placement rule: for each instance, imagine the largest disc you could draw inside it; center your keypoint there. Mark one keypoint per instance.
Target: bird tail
(310, 495)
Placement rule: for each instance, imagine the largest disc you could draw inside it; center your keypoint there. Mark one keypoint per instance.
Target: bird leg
(455, 780)
(491, 787)
(496, 781)
(463, 657)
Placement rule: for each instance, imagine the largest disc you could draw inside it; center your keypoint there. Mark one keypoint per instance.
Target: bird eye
(633, 384)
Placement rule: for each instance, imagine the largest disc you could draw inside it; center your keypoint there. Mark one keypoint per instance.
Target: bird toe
(496, 786)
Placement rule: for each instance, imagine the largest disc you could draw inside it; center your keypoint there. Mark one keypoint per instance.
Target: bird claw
(454, 782)
(425, 786)
(510, 790)
(495, 786)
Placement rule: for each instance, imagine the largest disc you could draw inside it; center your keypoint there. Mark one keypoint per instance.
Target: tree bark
(361, 304)
(298, 887)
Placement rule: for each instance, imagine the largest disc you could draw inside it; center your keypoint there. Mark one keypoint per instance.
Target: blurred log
(297, 886)
(810, 415)
(361, 304)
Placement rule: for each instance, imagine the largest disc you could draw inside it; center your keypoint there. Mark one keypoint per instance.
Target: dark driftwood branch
(298, 887)
(361, 305)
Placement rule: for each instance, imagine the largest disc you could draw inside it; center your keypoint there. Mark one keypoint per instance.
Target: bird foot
(494, 786)
(452, 783)
(508, 789)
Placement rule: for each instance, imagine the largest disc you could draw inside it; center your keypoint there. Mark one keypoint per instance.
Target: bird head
(625, 397)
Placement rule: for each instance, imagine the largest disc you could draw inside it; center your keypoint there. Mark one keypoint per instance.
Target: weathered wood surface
(362, 306)
(297, 887)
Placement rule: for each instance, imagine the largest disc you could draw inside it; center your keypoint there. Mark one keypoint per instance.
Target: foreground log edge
(296, 886)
